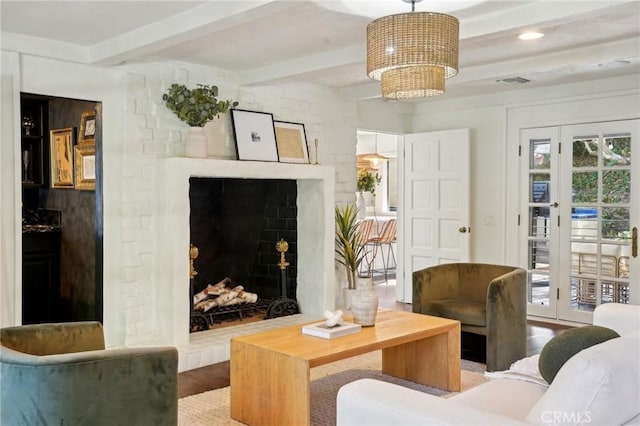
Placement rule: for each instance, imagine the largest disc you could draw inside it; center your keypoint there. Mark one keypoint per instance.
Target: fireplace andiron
(282, 306)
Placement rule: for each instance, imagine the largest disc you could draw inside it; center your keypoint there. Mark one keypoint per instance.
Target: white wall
(10, 195)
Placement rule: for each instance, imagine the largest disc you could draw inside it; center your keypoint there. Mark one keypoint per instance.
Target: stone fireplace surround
(316, 286)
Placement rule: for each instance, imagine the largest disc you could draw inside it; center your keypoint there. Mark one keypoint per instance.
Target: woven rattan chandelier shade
(401, 47)
(413, 82)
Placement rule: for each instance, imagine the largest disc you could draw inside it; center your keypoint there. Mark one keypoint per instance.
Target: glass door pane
(539, 157)
(600, 168)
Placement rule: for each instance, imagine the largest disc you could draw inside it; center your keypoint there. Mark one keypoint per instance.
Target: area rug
(212, 407)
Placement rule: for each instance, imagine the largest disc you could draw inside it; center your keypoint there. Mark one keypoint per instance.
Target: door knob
(462, 229)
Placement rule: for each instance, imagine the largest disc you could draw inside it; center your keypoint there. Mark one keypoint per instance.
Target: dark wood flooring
(217, 375)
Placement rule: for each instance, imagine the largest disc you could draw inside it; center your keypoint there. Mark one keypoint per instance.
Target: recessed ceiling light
(531, 35)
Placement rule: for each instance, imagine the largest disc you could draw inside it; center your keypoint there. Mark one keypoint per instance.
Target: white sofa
(598, 386)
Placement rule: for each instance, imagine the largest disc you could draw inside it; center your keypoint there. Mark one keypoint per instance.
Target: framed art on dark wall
(61, 141)
(254, 135)
(85, 167)
(87, 127)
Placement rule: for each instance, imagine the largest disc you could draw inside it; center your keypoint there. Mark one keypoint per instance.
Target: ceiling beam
(305, 64)
(211, 17)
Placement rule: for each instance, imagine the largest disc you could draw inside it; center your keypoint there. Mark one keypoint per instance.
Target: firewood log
(211, 290)
(217, 289)
(206, 305)
(248, 297)
(225, 297)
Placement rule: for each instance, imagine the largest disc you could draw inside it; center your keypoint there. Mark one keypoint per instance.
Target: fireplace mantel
(315, 201)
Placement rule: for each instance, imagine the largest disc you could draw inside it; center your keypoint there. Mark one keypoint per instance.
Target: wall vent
(513, 80)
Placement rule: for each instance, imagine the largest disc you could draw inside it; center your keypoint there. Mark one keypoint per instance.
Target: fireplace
(235, 226)
(315, 284)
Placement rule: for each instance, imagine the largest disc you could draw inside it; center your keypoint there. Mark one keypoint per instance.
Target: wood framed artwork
(255, 135)
(61, 149)
(291, 140)
(85, 167)
(87, 127)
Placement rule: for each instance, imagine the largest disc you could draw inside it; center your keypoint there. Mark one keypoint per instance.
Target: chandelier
(412, 54)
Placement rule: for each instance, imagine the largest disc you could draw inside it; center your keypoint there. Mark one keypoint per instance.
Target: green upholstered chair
(61, 374)
(488, 300)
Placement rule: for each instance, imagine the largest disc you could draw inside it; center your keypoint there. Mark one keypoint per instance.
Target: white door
(579, 211)
(433, 220)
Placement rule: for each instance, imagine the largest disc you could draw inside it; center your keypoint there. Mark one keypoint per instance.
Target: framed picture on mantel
(292, 142)
(254, 135)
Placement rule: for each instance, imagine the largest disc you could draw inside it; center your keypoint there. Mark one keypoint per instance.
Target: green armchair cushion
(467, 312)
(558, 350)
(54, 339)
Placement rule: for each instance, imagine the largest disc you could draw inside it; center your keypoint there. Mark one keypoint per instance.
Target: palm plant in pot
(196, 107)
(350, 251)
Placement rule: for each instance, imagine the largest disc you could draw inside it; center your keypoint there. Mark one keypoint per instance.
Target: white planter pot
(364, 303)
(217, 139)
(195, 143)
(361, 205)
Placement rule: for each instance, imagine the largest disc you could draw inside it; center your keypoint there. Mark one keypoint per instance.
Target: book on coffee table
(321, 329)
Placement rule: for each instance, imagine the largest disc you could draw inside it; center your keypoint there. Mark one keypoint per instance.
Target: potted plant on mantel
(196, 107)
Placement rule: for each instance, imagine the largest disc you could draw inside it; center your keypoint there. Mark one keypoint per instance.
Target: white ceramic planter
(364, 303)
(195, 143)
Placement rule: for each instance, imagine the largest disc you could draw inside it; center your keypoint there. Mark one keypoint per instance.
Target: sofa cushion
(599, 385)
(467, 312)
(562, 347)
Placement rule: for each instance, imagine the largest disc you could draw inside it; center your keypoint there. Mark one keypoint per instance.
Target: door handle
(554, 204)
(463, 229)
(634, 241)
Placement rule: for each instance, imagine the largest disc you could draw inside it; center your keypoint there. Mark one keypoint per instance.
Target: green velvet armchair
(61, 374)
(488, 300)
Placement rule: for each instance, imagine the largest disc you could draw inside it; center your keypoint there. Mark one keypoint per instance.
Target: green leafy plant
(367, 181)
(198, 106)
(350, 250)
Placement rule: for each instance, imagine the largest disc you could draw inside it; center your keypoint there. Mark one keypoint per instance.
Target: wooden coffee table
(270, 370)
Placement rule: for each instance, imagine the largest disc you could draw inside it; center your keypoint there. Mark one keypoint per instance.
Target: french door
(582, 186)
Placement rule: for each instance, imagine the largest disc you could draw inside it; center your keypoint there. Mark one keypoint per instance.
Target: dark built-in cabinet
(34, 141)
(40, 277)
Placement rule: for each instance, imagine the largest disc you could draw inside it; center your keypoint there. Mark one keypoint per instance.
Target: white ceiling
(323, 41)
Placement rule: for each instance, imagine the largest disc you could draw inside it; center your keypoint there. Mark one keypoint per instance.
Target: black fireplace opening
(235, 225)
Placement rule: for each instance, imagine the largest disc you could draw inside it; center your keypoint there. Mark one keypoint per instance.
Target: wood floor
(217, 375)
